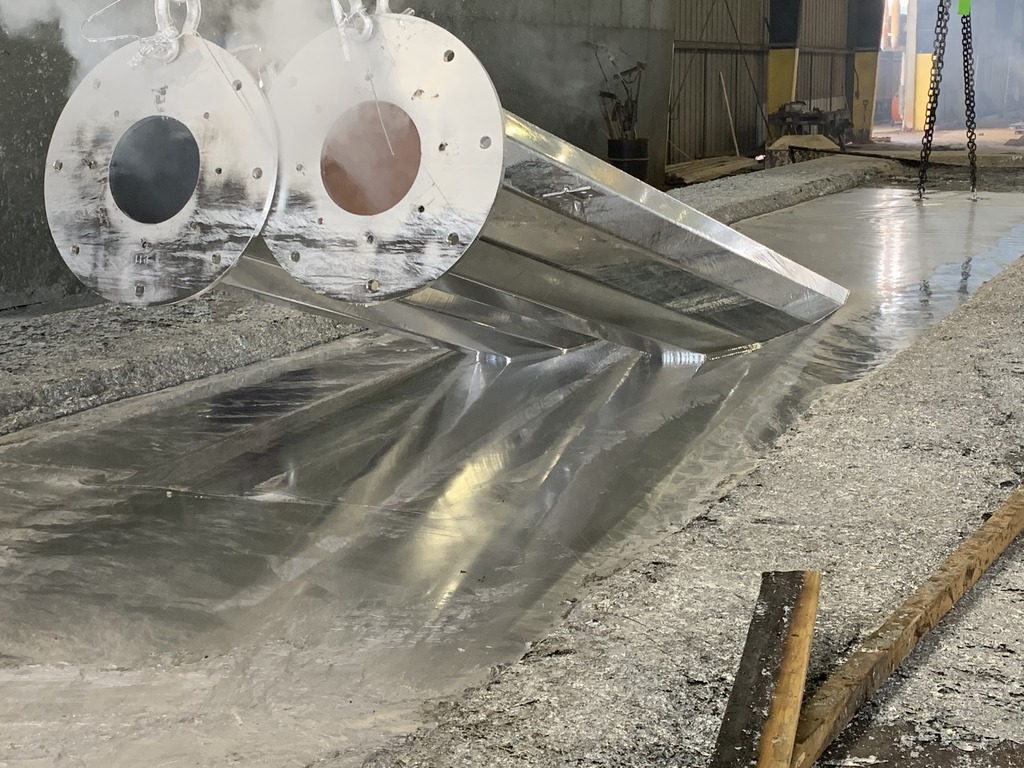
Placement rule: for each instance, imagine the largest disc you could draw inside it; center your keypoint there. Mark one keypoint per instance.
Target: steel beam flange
(392, 157)
(160, 174)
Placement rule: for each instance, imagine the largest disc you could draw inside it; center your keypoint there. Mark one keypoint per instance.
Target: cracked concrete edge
(745, 196)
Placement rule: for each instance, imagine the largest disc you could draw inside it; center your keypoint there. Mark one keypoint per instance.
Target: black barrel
(629, 155)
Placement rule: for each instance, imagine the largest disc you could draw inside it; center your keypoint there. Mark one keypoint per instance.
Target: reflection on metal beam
(408, 199)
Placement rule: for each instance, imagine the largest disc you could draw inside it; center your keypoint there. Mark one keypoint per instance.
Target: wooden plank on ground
(836, 703)
(779, 738)
(707, 169)
(759, 726)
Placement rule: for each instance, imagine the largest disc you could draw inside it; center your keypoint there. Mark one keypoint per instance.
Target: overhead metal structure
(407, 199)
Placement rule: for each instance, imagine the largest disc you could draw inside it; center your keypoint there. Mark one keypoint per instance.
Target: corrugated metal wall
(825, 24)
(821, 79)
(716, 40)
(824, 53)
(711, 21)
(729, 38)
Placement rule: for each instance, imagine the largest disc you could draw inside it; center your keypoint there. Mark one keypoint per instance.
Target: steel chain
(941, 33)
(972, 121)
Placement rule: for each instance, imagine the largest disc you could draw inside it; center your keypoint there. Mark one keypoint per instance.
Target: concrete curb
(755, 194)
(53, 365)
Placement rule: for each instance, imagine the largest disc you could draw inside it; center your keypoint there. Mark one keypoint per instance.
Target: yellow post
(865, 64)
(922, 81)
(782, 69)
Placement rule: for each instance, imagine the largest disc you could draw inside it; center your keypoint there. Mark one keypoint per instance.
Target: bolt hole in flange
(371, 158)
(154, 170)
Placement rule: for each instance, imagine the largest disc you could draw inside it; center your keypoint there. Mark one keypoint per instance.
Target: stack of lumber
(696, 171)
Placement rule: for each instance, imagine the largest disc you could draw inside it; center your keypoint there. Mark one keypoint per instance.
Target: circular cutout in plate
(371, 158)
(154, 170)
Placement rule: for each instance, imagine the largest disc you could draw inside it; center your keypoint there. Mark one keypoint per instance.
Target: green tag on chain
(965, 7)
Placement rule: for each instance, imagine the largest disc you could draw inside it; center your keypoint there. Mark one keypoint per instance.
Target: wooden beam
(779, 738)
(761, 717)
(836, 703)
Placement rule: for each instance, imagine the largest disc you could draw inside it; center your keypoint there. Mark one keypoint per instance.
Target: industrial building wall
(824, 54)
(716, 40)
(734, 40)
(537, 54)
(34, 77)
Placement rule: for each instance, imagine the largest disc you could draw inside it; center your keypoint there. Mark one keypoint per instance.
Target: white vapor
(280, 27)
(131, 17)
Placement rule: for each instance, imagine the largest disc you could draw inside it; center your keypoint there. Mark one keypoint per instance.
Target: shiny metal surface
(427, 315)
(215, 98)
(425, 71)
(630, 222)
(285, 571)
(408, 200)
(569, 241)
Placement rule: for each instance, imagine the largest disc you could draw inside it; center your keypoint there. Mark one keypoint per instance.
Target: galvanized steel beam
(408, 199)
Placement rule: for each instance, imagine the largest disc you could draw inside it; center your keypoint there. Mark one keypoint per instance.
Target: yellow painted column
(922, 81)
(865, 65)
(782, 69)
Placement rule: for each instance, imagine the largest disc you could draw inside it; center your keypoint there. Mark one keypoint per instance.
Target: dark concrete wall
(535, 53)
(34, 76)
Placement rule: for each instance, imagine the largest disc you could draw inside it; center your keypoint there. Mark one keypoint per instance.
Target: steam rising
(19, 17)
(279, 27)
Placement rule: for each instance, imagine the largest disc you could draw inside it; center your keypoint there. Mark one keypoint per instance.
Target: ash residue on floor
(875, 486)
(68, 361)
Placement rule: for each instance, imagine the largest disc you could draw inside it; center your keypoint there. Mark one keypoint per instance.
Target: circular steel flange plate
(415, 93)
(205, 92)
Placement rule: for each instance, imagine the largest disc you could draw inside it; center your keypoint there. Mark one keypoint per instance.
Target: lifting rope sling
(941, 32)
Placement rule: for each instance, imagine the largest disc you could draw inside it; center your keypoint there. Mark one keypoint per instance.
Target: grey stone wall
(35, 73)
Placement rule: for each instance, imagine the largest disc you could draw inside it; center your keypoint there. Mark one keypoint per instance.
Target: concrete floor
(283, 614)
